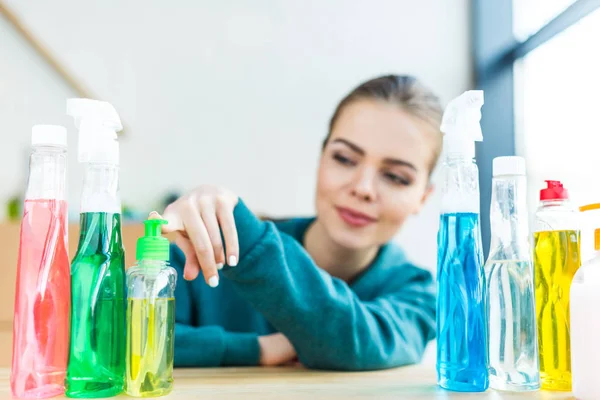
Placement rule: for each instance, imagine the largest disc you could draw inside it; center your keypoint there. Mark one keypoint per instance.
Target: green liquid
(97, 357)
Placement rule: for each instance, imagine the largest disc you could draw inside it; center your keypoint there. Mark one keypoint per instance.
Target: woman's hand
(276, 349)
(198, 218)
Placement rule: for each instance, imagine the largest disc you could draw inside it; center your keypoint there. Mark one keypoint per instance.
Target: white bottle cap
(511, 165)
(49, 135)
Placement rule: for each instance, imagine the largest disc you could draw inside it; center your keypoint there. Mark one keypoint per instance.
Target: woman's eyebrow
(391, 161)
(394, 161)
(352, 146)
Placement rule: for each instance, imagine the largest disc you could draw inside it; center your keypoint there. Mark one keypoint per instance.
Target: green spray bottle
(150, 316)
(98, 302)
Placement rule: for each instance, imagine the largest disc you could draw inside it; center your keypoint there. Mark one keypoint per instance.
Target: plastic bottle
(556, 259)
(97, 357)
(585, 323)
(462, 357)
(42, 301)
(150, 316)
(509, 282)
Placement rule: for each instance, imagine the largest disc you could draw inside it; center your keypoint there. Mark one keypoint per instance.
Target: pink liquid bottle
(43, 290)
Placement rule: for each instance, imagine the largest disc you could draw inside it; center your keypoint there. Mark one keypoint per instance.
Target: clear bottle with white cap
(43, 287)
(513, 350)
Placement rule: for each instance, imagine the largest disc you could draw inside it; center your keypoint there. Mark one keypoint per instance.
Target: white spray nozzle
(460, 123)
(98, 124)
(100, 111)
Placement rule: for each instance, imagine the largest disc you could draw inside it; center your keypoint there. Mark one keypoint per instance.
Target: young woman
(332, 291)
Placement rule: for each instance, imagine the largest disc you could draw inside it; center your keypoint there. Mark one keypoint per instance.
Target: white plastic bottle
(585, 324)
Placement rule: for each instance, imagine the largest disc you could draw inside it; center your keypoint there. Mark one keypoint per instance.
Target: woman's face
(373, 173)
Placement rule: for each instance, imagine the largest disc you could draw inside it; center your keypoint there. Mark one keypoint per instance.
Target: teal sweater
(382, 319)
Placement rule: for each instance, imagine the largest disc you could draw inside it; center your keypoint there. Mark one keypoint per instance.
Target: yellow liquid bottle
(150, 347)
(556, 259)
(150, 317)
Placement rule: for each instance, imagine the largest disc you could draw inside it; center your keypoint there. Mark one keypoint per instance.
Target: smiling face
(374, 173)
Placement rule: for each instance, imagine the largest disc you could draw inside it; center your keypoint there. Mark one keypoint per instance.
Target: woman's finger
(154, 215)
(207, 213)
(227, 223)
(222, 263)
(192, 266)
(196, 231)
(174, 219)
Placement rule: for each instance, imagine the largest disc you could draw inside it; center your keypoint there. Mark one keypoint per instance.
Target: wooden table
(416, 382)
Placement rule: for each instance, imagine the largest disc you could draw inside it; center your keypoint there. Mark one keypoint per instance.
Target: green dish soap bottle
(98, 301)
(150, 316)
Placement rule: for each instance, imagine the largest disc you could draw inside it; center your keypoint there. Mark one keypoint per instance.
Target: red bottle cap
(554, 191)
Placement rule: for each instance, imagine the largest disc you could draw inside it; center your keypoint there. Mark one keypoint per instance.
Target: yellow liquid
(150, 347)
(556, 259)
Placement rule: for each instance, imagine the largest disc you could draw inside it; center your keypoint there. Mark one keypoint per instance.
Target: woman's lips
(355, 218)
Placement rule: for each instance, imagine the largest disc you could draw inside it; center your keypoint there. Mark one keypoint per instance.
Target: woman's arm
(206, 346)
(330, 327)
(211, 346)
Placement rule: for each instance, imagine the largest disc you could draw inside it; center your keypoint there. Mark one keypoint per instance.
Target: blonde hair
(408, 93)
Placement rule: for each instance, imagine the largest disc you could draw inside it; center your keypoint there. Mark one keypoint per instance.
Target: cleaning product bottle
(97, 357)
(42, 301)
(462, 358)
(509, 282)
(150, 316)
(585, 323)
(556, 259)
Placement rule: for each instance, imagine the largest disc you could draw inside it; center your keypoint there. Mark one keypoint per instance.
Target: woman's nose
(363, 186)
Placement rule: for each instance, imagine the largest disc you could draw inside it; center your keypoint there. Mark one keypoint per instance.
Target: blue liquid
(462, 356)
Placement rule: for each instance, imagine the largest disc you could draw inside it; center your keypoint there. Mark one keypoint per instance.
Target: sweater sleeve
(206, 346)
(212, 346)
(329, 326)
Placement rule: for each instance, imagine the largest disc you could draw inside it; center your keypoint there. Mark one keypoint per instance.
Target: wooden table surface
(416, 382)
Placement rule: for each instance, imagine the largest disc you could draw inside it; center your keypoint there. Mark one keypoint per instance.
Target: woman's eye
(396, 179)
(343, 160)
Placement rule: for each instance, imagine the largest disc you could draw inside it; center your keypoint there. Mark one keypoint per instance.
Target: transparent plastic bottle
(42, 300)
(97, 353)
(462, 360)
(509, 282)
(585, 324)
(462, 353)
(556, 260)
(150, 316)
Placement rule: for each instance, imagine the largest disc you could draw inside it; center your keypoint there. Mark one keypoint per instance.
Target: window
(538, 63)
(530, 15)
(560, 128)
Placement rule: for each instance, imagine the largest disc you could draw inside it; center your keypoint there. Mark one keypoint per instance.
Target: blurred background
(233, 93)
(239, 93)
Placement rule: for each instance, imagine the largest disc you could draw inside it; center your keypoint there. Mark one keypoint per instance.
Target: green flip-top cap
(153, 246)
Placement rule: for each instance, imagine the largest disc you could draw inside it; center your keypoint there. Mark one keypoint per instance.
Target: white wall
(236, 93)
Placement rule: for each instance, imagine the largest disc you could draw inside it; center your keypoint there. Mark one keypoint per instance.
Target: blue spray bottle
(462, 354)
